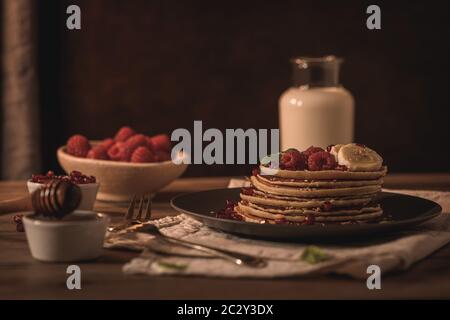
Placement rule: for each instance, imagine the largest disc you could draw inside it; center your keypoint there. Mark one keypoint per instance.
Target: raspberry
(149, 142)
(107, 143)
(119, 152)
(78, 146)
(98, 152)
(312, 150)
(135, 141)
(161, 142)
(162, 156)
(142, 154)
(123, 134)
(256, 171)
(321, 160)
(292, 159)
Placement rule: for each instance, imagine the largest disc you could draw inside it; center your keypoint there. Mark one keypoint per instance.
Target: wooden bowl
(119, 181)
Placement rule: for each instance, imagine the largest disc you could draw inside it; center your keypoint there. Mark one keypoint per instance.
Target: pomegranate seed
(74, 177)
(19, 227)
(18, 218)
(309, 219)
(327, 206)
(247, 191)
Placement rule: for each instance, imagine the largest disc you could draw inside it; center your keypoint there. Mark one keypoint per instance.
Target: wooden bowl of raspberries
(127, 164)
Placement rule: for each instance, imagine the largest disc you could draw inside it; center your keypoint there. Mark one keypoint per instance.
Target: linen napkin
(284, 259)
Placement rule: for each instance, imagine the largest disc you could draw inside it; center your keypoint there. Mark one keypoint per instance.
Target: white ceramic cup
(77, 237)
(88, 193)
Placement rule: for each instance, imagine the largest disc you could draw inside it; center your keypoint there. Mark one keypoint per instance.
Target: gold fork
(132, 219)
(134, 216)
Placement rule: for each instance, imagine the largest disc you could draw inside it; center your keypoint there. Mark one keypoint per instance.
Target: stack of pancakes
(307, 197)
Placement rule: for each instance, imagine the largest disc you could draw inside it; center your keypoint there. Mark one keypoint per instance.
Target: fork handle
(234, 257)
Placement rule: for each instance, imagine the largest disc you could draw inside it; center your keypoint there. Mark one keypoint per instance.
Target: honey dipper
(56, 199)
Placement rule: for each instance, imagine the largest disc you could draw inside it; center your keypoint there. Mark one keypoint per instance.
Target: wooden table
(21, 277)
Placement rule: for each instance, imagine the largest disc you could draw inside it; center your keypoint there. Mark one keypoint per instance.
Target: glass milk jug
(316, 110)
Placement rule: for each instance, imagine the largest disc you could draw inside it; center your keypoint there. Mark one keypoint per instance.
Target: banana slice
(335, 150)
(358, 158)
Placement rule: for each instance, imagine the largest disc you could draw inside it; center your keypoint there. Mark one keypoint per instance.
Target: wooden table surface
(21, 277)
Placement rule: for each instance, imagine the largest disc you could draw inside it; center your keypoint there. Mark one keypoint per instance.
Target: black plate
(406, 211)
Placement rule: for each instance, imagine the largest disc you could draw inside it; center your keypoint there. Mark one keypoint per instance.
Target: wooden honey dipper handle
(55, 199)
(16, 205)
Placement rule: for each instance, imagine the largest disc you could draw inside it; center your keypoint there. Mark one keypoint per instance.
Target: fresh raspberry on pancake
(123, 134)
(256, 171)
(312, 150)
(321, 160)
(98, 152)
(119, 152)
(292, 159)
(78, 146)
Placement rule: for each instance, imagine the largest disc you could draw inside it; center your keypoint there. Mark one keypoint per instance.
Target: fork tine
(141, 206)
(148, 209)
(130, 211)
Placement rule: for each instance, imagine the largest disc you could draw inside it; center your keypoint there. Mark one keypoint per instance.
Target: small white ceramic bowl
(77, 237)
(119, 181)
(88, 193)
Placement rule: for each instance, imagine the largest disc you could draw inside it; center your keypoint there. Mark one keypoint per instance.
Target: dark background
(160, 65)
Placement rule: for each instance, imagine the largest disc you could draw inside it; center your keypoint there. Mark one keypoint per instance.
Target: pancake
(324, 174)
(314, 192)
(316, 212)
(289, 182)
(296, 202)
(260, 193)
(289, 211)
(259, 216)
